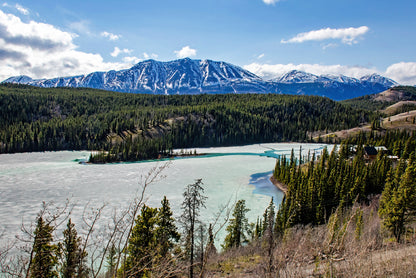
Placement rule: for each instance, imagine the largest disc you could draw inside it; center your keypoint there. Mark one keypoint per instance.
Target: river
(228, 174)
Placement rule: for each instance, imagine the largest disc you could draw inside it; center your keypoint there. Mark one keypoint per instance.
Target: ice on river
(228, 174)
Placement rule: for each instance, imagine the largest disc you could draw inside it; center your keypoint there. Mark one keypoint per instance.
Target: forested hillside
(384, 99)
(134, 127)
(344, 177)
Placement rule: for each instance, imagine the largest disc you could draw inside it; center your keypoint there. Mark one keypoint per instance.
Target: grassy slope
(324, 252)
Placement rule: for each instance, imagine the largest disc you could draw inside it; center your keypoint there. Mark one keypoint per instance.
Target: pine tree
(166, 231)
(141, 244)
(238, 227)
(398, 203)
(193, 201)
(45, 258)
(72, 255)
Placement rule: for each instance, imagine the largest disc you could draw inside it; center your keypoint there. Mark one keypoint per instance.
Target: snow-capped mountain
(337, 87)
(183, 76)
(187, 76)
(378, 79)
(296, 76)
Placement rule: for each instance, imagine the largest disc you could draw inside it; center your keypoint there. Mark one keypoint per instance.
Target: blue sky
(46, 38)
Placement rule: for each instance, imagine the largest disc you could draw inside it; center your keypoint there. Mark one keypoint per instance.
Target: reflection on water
(264, 186)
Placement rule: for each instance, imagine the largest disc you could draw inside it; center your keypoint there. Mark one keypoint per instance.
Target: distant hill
(143, 126)
(397, 97)
(187, 76)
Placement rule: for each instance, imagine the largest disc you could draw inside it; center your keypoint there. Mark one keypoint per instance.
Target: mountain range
(188, 76)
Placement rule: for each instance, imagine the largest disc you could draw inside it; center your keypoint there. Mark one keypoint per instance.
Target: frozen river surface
(229, 173)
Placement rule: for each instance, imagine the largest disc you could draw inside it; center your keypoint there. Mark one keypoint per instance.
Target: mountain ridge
(188, 76)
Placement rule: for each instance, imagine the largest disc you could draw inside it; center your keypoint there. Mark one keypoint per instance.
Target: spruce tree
(166, 231)
(44, 261)
(194, 200)
(72, 254)
(398, 203)
(141, 244)
(238, 227)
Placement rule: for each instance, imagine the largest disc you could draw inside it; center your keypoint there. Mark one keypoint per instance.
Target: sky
(45, 38)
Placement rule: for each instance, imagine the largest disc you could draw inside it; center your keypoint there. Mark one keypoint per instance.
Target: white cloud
(186, 51)
(347, 35)
(403, 72)
(268, 71)
(81, 26)
(110, 36)
(150, 56)
(329, 45)
(18, 7)
(22, 9)
(132, 59)
(41, 50)
(260, 56)
(117, 51)
(270, 2)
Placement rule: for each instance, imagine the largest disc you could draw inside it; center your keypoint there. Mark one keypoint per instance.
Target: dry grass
(403, 121)
(324, 251)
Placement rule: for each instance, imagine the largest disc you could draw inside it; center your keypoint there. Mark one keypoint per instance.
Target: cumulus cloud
(186, 51)
(41, 50)
(346, 35)
(268, 71)
(403, 72)
(270, 2)
(110, 36)
(117, 51)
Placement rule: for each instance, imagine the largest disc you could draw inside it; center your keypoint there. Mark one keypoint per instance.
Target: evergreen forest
(129, 127)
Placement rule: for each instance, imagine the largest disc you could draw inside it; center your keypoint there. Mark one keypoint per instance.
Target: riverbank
(281, 186)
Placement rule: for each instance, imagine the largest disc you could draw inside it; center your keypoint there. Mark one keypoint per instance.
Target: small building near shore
(370, 153)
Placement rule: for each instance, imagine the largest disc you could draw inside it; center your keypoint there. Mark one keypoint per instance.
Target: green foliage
(151, 242)
(142, 242)
(73, 256)
(238, 226)
(45, 260)
(315, 190)
(398, 201)
(134, 127)
(166, 231)
(401, 143)
(367, 103)
(370, 103)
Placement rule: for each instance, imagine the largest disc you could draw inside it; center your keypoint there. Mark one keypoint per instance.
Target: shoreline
(281, 186)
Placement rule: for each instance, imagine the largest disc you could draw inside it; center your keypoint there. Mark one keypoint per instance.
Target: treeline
(401, 143)
(131, 127)
(336, 181)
